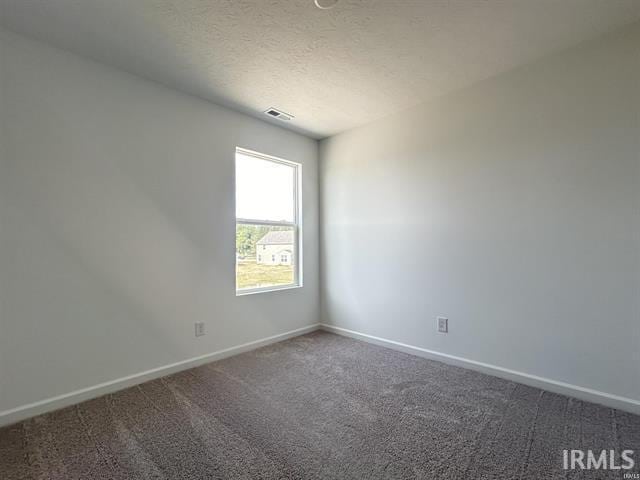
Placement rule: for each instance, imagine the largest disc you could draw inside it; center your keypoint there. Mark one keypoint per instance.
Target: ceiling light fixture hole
(325, 4)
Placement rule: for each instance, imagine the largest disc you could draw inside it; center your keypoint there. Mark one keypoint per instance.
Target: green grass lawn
(251, 275)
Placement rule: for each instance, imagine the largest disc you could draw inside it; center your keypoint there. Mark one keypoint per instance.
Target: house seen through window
(268, 222)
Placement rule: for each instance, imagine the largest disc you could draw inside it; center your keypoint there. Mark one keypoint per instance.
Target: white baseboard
(23, 412)
(581, 393)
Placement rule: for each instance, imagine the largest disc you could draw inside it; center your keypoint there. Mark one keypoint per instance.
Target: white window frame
(296, 224)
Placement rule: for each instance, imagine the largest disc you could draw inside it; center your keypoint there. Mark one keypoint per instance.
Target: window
(268, 221)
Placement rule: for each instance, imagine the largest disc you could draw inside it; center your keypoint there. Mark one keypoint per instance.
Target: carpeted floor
(318, 406)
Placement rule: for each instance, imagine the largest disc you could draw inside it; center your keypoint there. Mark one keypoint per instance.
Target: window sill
(252, 291)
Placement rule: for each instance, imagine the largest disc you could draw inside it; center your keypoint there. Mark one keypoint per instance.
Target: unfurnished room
(319, 239)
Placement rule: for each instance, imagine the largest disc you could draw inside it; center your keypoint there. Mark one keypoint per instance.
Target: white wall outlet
(199, 329)
(443, 325)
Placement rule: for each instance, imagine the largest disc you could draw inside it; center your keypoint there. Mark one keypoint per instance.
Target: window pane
(264, 189)
(265, 256)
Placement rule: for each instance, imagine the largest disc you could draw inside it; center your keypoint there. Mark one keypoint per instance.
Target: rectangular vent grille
(272, 112)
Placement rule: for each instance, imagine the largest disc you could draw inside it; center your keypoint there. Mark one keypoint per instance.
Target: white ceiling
(333, 69)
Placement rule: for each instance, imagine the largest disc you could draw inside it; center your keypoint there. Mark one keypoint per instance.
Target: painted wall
(512, 207)
(117, 218)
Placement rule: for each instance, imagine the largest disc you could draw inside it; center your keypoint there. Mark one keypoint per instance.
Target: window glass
(267, 223)
(264, 189)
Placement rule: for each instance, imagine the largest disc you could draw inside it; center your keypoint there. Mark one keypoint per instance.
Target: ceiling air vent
(272, 112)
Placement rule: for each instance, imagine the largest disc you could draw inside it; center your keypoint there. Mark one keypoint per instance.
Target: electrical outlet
(199, 329)
(443, 325)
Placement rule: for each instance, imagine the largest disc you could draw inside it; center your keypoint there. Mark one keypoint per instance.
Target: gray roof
(277, 237)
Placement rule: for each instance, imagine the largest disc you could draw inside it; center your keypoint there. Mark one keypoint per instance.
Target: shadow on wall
(96, 226)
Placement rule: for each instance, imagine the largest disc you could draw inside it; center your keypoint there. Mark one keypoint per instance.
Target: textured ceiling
(333, 69)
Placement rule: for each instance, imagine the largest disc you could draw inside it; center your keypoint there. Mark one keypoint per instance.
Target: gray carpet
(318, 406)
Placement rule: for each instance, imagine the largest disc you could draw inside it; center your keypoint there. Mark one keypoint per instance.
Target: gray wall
(513, 207)
(117, 218)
